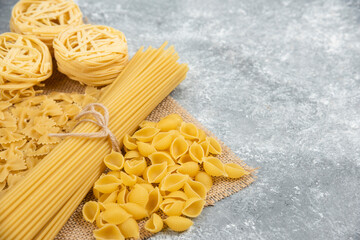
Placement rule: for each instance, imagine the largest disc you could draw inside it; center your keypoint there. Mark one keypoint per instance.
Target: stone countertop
(279, 83)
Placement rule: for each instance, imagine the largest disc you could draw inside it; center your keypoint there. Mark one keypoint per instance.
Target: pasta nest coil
(91, 54)
(44, 19)
(25, 61)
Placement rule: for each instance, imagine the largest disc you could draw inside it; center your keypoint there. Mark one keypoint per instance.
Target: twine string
(102, 120)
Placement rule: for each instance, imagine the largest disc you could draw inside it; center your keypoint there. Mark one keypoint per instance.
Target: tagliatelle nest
(25, 61)
(91, 54)
(44, 19)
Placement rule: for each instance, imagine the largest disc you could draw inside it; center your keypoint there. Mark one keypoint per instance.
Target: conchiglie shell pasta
(177, 195)
(162, 140)
(173, 168)
(147, 186)
(138, 195)
(132, 154)
(202, 135)
(130, 228)
(169, 123)
(108, 232)
(115, 215)
(114, 173)
(129, 142)
(122, 195)
(189, 131)
(90, 211)
(178, 224)
(145, 149)
(189, 168)
(172, 207)
(135, 210)
(145, 123)
(107, 184)
(156, 172)
(114, 160)
(135, 166)
(159, 157)
(195, 189)
(154, 224)
(196, 152)
(155, 199)
(214, 146)
(205, 145)
(185, 158)
(193, 207)
(205, 179)
(100, 221)
(173, 182)
(108, 197)
(145, 134)
(234, 170)
(213, 166)
(128, 180)
(178, 147)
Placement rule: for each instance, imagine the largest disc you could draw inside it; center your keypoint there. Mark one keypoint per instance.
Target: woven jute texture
(76, 228)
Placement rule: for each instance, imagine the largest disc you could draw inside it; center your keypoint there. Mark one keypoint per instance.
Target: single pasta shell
(213, 166)
(196, 152)
(132, 154)
(178, 224)
(90, 211)
(205, 179)
(159, 157)
(166, 124)
(109, 197)
(128, 180)
(129, 142)
(189, 168)
(135, 210)
(114, 173)
(115, 215)
(114, 160)
(135, 166)
(154, 224)
(193, 207)
(122, 195)
(214, 145)
(145, 149)
(178, 147)
(145, 123)
(147, 186)
(234, 170)
(155, 199)
(189, 131)
(185, 158)
(172, 207)
(145, 134)
(205, 146)
(130, 228)
(99, 221)
(173, 182)
(139, 195)
(202, 135)
(162, 140)
(178, 195)
(107, 232)
(156, 172)
(195, 189)
(107, 184)
(173, 168)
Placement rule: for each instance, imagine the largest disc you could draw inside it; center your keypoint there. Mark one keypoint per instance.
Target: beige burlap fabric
(77, 228)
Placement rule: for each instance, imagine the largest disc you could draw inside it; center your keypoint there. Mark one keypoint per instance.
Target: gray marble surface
(278, 82)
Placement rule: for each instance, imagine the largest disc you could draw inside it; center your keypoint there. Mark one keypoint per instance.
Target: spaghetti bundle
(44, 19)
(25, 61)
(38, 207)
(91, 54)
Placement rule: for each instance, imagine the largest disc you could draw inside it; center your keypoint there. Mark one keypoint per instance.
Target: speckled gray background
(277, 81)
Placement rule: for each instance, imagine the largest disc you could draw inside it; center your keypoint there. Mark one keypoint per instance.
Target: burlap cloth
(77, 229)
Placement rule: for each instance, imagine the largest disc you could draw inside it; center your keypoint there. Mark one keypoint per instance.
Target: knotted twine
(102, 120)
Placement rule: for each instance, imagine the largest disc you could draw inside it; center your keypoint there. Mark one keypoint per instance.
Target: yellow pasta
(178, 147)
(205, 145)
(145, 123)
(100, 52)
(145, 149)
(234, 170)
(90, 211)
(189, 131)
(213, 166)
(139, 195)
(173, 182)
(156, 172)
(214, 146)
(122, 195)
(108, 232)
(162, 140)
(172, 207)
(109, 197)
(195, 189)
(114, 160)
(178, 224)
(160, 157)
(115, 215)
(145, 134)
(136, 166)
(170, 122)
(193, 207)
(132, 154)
(129, 142)
(128, 180)
(177, 195)
(154, 224)
(205, 179)
(196, 152)
(135, 210)
(154, 201)
(189, 168)
(107, 184)
(185, 158)
(130, 228)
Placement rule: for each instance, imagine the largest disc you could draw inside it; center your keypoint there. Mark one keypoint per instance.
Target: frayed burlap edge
(77, 228)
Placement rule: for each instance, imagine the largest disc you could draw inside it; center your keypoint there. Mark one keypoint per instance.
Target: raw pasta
(44, 19)
(178, 224)
(99, 52)
(154, 224)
